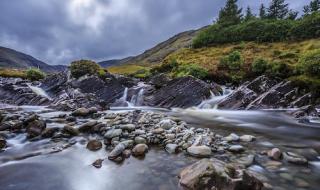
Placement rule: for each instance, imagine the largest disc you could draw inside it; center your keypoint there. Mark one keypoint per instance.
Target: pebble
(140, 150)
(97, 163)
(236, 148)
(295, 158)
(140, 140)
(247, 138)
(113, 133)
(231, 137)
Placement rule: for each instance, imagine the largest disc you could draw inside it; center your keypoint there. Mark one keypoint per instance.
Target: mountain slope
(156, 54)
(10, 58)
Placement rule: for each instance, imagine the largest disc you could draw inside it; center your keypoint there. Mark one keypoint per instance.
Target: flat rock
(200, 151)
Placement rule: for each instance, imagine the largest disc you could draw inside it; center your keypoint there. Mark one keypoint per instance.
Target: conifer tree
(249, 14)
(230, 14)
(262, 12)
(313, 7)
(278, 9)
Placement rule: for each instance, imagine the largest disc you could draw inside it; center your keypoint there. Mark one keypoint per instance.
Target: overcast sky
(59, 31)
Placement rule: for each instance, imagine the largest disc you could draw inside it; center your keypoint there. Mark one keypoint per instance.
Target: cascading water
(39, 91)
(136, 99)
(214, 100)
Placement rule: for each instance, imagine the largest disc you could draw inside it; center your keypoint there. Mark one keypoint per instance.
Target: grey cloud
(59, 31)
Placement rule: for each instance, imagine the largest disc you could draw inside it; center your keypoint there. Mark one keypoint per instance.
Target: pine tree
(292, 15)
(230, 14)
(313, 7)
(249, 14)
(262, 12)
(278, 9)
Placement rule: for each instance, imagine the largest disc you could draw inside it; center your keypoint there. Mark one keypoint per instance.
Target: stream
(67, 164)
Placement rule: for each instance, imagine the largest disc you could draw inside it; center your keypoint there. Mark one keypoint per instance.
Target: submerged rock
(94, 145)
(35, 128)
(295, 158)
(97, 163)
(3, 143)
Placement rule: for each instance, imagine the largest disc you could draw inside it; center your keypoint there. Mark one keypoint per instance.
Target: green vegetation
(275, 24)
(309, 63)
(35, 74)
(260, 66)
(231, 62)
(85, 67)
(179, 69)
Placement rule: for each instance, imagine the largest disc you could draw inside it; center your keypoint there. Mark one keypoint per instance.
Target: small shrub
(260, 66)
(34, 74)
(191, 70)
(232, 62)
(84, 67)
(309, 63)
(288, 55)
(165, 67)
(305, 82)
(102, 73)
(142, 74)
(280, 69)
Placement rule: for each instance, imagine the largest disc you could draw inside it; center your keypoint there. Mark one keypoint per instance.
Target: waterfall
(214, 100)
(125, 95)
(137, 99)
(39, 91)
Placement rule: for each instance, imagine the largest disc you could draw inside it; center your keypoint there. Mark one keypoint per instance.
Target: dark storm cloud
(58, 31)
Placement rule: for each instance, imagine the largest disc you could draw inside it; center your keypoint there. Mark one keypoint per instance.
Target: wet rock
(166, 124)
(117, 151)
(301, 183)
(181, 92)
(140, 140)
(231, 137)
(87, 127)
(236, 148)
(128, 127)
(126, 153)
(3, 143)
(70, 130)
(97, 163)
(81, 112)
(295, 158)
(215, 174)
(49, 132)
(199, 151)
(172, 148)
(113, 133)
(140, 150)
(158, 131)
(246, 160)
(247, 138)
(94, 145)
(35, 128)
(275, 154)
(71, 119)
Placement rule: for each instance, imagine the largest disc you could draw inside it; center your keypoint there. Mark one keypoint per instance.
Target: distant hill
(156, 54)
(10, 58)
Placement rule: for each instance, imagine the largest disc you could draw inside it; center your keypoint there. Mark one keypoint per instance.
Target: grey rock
(199, 151)
(113, 133)
(171, 148)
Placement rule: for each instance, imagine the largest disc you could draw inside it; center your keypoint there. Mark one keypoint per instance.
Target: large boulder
(180, 92)
(215, 174)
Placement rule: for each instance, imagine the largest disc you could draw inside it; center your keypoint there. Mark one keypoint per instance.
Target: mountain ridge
(13, 59)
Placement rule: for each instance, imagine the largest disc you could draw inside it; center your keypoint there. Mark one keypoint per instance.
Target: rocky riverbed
(121, 133)
(144, 144)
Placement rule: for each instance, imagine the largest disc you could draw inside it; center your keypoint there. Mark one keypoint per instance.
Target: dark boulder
(35, 128)
(181, 92)
(159, 80)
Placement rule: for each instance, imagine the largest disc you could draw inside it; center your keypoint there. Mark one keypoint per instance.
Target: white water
(214, 100)
(39, 91)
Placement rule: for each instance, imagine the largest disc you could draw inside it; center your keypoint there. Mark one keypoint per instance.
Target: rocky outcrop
(215, 174)
(17, 92)
(181, 92)
(266, 93)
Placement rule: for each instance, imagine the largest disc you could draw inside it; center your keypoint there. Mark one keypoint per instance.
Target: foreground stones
(94, 145)
(140, 150)
(215, 174)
